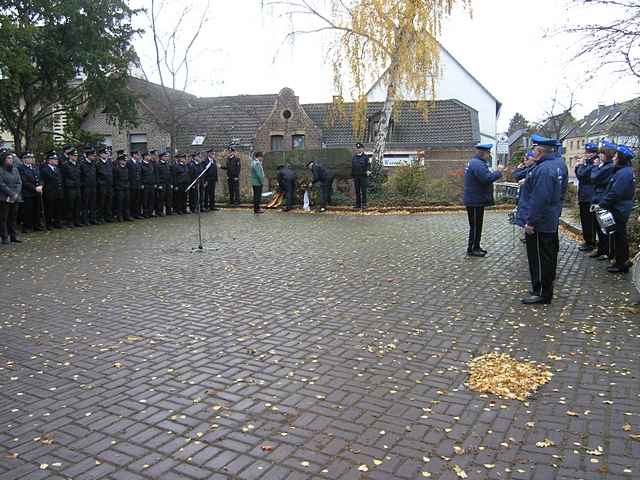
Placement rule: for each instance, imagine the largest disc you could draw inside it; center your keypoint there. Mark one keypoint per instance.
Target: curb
(425, 209)
(572, 228)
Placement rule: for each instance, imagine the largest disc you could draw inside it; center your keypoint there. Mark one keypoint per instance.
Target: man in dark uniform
(233, 168)
(543, 186)
(325, 178)
(601, 173)
(64, 155)
(71, 181)
(360, 171)
(52, 191)
(181, 181)
(155, 160)
(149, 181)
(210, 180)
(194, 171)
(585, 196)
(88, 179)
(135, 185)
(478, 194)
(31, 194)
(122, 188)
(287, 184)
(165, 186)
(104, 186)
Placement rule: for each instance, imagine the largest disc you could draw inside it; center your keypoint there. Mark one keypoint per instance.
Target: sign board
(502, 148)
(401, 161)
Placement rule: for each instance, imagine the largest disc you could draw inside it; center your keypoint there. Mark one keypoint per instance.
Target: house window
(107, 141)
(276, 142)
(138, 141)
(297, 142)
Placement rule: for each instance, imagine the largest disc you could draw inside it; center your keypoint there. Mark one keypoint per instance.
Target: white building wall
(456, 83)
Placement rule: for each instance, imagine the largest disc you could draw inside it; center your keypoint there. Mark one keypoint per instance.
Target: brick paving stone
(331, 340)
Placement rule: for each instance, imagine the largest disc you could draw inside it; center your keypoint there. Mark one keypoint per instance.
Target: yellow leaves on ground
(545, 443)
(460, 472)
(501, 375)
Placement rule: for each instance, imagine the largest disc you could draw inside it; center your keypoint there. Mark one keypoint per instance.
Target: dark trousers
(361, 183)
(542, 254)
(73, 205)
(587, 220)
(104, 202)
(620, 243)
(135, 202)
(122, 202)
(257, 197)
(326, 190)
(476, 219)
(289, 191)
(148, 200)
(53, 208)
(164, 199)
(210, 195)
(234, 191)
(603, 237)
(8, 219)
(89, 205)
(31, 211)
(180, 199)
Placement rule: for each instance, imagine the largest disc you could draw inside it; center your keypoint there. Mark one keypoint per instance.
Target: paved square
(304, 346)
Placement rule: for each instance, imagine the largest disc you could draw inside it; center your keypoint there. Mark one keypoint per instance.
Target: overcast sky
(506, 46)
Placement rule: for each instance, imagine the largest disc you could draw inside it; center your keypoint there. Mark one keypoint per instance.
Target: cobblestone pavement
(301, 346)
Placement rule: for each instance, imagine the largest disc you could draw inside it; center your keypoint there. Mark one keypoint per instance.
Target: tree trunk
(377, 160)
(29, 129)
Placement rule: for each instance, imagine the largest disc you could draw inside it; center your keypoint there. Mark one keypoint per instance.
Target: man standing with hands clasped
(478, 194)
(360, 171)
(543, 187)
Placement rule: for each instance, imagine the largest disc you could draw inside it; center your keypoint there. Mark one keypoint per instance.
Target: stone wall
(156, 139)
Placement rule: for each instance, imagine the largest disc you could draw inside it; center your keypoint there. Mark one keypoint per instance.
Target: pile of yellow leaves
(505, 377)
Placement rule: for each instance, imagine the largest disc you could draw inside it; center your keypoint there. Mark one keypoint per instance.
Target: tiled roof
(607, 120)
(223, 120)
(449, 124)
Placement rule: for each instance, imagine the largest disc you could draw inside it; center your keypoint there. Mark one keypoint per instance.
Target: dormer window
(373, 127)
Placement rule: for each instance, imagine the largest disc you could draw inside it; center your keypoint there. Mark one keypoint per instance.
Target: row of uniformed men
(97, 189)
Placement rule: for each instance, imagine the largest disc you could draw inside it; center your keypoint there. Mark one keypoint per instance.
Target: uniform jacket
(600, 177)
(88, 175)
(543, 187)
(163, 170)
(212, 173)
(104, 173)
(71, 175)
(181, 175)
(135, 174)
(286, 178)
(585, 184)
(257, 173)
(321, 174)
(233, 167)
(148, 175)
(10, 184)
(478, 183)
(195, 169)
(359, 165)
(121, 177)
(51, 182)
(523, 197)
(30, 180)
(620, 193)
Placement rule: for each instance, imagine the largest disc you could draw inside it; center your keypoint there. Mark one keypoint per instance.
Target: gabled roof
(464, 69)
(449, 124)
(515, 136)
(616, 119)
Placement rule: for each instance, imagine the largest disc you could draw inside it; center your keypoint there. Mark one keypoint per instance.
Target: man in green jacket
(257, 180)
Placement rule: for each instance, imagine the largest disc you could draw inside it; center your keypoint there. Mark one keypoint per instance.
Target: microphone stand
(196, 182)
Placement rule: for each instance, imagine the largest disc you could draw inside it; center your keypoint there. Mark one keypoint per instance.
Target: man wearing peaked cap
(71, 179)
(88, 182)
(585, 196)
(618, 198)
(360, 171)
(165, 185)
(180, 174)
(478, 194)
(31, 194)
(600, 176)
(233, 168)
(52, 191)
(104, 186)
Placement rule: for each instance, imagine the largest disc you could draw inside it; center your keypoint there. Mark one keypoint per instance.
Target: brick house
(272, 122)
